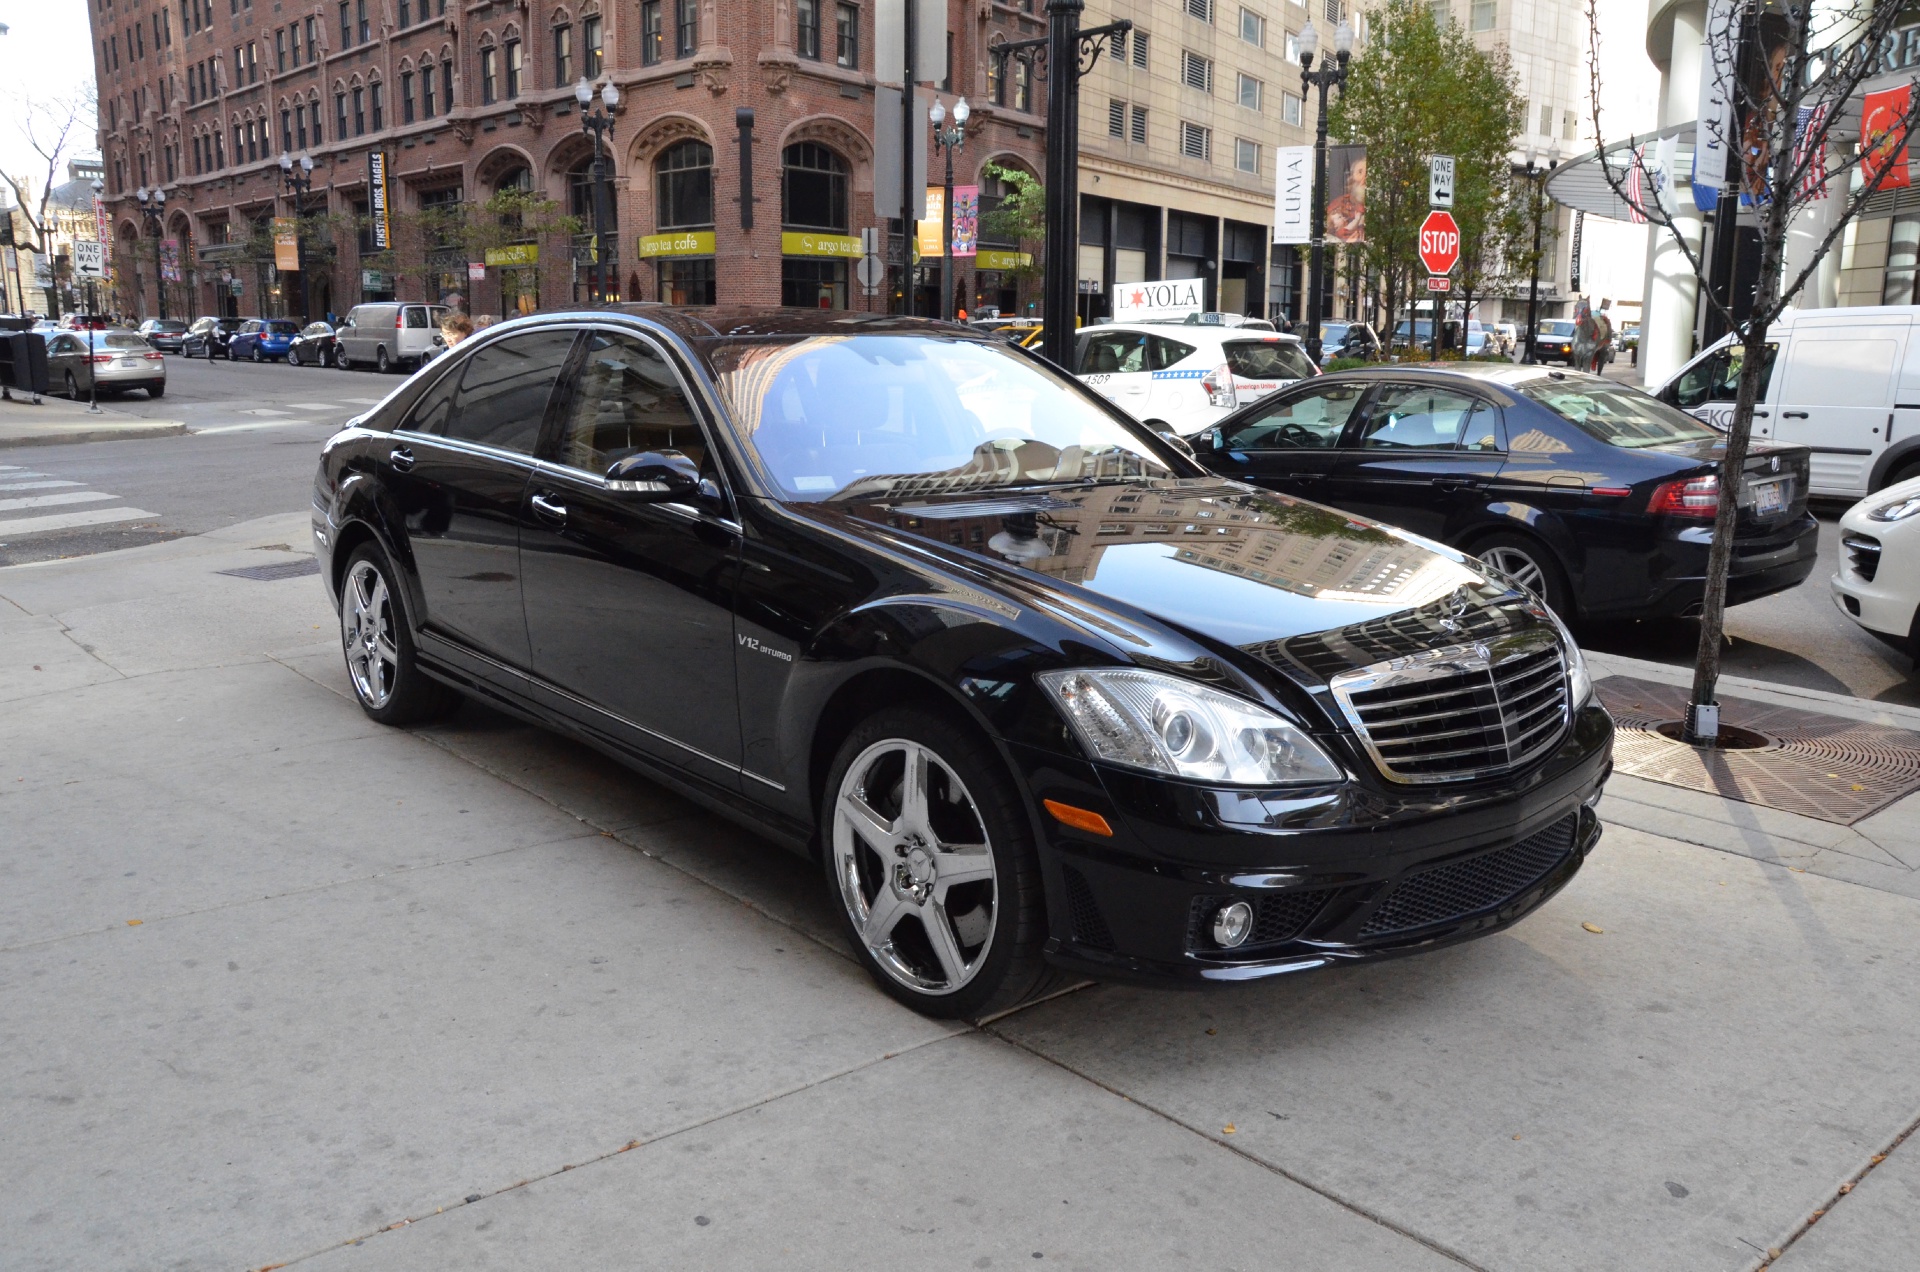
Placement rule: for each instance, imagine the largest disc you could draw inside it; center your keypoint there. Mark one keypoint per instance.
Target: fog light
(1232, 924)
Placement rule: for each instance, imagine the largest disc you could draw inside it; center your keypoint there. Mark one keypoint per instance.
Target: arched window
(814, 188)
(684, 176)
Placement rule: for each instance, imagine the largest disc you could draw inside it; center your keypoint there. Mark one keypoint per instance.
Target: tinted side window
(504, 390)
(626, 399)
(430, 412)
(1425, 417)
(1311, 420)
(416, 316)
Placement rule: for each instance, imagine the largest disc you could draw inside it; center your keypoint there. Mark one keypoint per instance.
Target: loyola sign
(1175, 298)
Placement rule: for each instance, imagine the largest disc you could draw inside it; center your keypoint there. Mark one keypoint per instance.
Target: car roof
(1507, 375)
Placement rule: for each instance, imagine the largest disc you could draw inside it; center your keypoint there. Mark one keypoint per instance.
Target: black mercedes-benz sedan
(1596, 496)
(1039, 694)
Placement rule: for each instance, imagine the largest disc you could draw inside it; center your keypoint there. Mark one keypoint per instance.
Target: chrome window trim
(1452, 661)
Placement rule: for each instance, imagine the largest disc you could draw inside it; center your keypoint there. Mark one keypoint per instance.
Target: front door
(459, 467)
(1421, 458)
(1114, 365)
(1836, 396)
(1287, 444)
(630, 603)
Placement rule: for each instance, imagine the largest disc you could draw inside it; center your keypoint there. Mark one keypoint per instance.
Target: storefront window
(687, 281)
(814, 190)
(813, 284)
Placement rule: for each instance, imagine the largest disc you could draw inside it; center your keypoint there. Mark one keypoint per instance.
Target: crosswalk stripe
(257, 424)
(364, 401)
(262, 410)
(69, 520)
(34, 485)
(49, 501)
(313, 406)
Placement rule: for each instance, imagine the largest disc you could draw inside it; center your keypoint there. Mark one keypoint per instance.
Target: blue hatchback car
(261, 339)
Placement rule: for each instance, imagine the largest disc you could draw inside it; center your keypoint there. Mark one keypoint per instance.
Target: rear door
(1175, 394)
(1836, 398)
(1420, 457)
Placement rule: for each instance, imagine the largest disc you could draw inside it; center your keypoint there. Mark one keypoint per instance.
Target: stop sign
(1439, 242)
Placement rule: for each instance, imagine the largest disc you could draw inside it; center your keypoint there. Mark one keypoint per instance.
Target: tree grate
(278, 570)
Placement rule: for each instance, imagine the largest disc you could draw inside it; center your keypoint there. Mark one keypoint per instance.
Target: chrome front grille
(1466, 711)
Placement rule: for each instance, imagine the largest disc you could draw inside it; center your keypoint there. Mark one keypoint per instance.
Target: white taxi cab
(1182, 376)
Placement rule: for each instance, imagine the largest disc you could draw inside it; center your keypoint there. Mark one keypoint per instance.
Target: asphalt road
(257, 431)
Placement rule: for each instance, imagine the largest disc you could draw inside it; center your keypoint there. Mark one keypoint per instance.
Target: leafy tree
(1021, 217)
(1422, 88)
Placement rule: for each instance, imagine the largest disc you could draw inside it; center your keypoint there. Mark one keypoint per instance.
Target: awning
(1581, 184)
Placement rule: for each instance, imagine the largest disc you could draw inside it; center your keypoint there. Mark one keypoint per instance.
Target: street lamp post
(1330, 75)
(299, 179)
(1538, 176)
(948, 140)
(599, 123)
(93, 309)
(153, 206)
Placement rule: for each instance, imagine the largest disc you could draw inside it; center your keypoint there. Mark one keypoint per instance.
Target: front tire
(929, 852)
(383, 663)
(381, 362)
(341, 361)
(293, 356)
(1529, 563)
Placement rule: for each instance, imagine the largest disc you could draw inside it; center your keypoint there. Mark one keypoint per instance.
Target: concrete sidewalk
(280, 986)
(55, 421)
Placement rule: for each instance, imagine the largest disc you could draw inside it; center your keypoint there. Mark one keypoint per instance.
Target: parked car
(387, 336)
(1347, 340)
(312, 347)
(207, 337)
(1553, 341)
(1182, 377)
(1878, 582)
(263, 339)
(86, 322)
(118, 360)
(164, 334)
(1843, 382)
(1597, 496)
(1030, 686)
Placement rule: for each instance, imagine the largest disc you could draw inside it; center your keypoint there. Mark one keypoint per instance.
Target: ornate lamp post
(1333, 75)
(299, 181)
(948, 140)
(153, 205)
(1538, 175)
(599, 123)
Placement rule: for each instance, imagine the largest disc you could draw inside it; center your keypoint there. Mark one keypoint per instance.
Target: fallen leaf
(1597, 930)
(135, 922)
(1845, 1189)
(1228, 1129)
(1856, 786)
(1815, 1216)
(1516, 1137)
(1875, 1161)
(1212, 1032)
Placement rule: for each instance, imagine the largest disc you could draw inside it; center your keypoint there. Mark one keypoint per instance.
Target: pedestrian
(455, 327)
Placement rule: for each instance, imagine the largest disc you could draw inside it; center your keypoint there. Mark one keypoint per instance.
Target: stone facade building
(467, 98)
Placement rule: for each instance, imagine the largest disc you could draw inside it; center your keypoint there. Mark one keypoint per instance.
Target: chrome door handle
(401, 458)
(1793, 415)
(545, 507)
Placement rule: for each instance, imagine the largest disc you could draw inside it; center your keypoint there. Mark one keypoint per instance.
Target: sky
(47, 52)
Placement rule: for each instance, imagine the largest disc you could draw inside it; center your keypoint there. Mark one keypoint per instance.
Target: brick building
(200, 98)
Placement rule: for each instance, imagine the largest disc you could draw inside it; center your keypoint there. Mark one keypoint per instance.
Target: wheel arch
(1892, 460)
(873, 689)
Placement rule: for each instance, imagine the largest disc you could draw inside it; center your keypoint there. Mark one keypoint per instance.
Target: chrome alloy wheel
(367, 618)
(915, 868)
(1518, 566)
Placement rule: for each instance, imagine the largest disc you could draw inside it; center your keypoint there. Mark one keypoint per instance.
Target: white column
(1673, 289)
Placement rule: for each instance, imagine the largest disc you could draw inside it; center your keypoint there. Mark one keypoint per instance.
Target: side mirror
(1178, 442)
(655, 476)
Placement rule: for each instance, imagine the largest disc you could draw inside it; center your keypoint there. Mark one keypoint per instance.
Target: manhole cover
(1820, 766)
(278, 570)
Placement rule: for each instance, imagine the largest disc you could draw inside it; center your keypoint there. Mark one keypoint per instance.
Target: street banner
(1174, 298)
(1579, 232)
(1347, 213)
(1714, 133)
(966, 220)
(102, 231)
(1883, 136)
(286, 244)
(170, 261)
(927, 232)
(377, 200)
(1293, 194)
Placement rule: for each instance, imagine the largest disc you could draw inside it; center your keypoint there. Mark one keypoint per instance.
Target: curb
(1866, 710)
(170, 429)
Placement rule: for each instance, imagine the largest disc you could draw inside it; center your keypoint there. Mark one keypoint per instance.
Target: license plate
(128, 364)
(1770, 497)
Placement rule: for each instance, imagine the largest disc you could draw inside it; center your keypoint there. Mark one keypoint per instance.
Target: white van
(1186, 376)
(387, 334)
(1844, 383)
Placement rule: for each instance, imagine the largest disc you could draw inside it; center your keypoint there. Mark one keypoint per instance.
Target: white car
(1878, 582)
(1184, 377)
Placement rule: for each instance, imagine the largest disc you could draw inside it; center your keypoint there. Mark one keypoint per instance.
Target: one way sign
(1440, 181)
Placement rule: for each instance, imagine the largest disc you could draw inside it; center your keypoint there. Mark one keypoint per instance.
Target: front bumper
(1885, 606)
(1351, 875)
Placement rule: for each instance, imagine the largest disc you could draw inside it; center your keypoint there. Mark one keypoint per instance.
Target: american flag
(1635, 197)
(1813, 185)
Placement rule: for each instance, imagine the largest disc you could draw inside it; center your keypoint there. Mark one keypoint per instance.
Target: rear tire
(73, 387)
(1530, 563)
(156, 390)
(257, 359)
(940, 890)
(383, 663)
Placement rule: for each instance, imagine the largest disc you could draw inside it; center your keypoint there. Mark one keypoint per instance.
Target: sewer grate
(278, 570)
(1820, 766)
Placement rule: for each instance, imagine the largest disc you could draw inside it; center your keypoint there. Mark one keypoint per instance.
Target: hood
(1277, 577)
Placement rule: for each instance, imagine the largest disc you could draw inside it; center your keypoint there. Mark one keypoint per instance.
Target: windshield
(1556, 328)
(283, 328)
(1268, 359)
(1615, 414)
(846, 417)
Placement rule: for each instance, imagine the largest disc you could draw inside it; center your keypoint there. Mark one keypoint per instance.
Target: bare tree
(56, 129)
(1787, 72)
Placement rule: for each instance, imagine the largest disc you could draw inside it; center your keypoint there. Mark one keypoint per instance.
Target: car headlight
(1163, 724)
(1579, 679)
(1898, 510)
